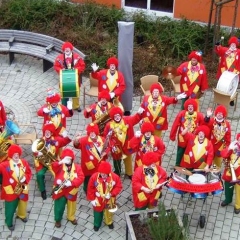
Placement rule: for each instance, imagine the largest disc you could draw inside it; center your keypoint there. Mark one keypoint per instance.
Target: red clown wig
(147, 127)
(104, 167)
(92, 127)
(150, 158)
(195, 54)
(221, 109)
(67, 45)
(114, 111)
(156, 86)
(112, 60)
(14, 149)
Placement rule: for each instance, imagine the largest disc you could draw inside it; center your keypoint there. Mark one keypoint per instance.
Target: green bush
(166, 225)
(92, 28)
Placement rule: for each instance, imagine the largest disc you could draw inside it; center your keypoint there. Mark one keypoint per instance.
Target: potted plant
(158, 224)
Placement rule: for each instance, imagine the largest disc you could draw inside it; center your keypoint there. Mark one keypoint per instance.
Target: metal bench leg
(47, 65)
(11, 57)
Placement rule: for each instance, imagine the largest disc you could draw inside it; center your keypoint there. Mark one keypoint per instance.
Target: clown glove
(112, 94)
(181, 96)
(138, 134)
(23, 179)
(140, 110)
(64, 133)
(39, 154)
(68, 184)
(232, 145)
(94, 203)
(209, 112)
(94, 67)
(46, 110)
(66, 160)
(107, 196)
(69, 104)
(97, 194)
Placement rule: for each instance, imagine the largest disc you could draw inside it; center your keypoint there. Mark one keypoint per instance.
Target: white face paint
(15, 157)
(201, 136)
(194, 61)
(117, 117)
(67, 52)
(53, 105)
(219, 117)
(103, 101)
(155, 93)
(104, 175)
(147, 135)
(190, 108)
(48, 134)
(232, 46)
(112, 67)
(92, 135)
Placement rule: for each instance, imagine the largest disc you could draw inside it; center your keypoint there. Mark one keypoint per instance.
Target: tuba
(39, 145)
(105, 118)
(10, 129)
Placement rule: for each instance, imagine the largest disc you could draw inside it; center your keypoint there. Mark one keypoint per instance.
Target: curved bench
(33, 44)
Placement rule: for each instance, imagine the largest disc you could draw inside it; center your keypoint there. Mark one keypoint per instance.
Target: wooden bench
(34, 44)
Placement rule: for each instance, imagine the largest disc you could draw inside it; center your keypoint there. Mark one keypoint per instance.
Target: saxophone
(106, 143)
(20, 186)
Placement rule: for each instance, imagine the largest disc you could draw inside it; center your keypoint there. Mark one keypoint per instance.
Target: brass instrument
(10, 129)
(20, 186)
(39, 145)
(106, 143)
(58, 188)
(234, 178)
(111, 207)
(105, 118)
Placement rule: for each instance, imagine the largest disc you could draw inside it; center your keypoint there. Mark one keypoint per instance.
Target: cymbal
(169, 72)
(183, 170)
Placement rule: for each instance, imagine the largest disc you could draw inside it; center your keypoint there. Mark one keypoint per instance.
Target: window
(155, 5)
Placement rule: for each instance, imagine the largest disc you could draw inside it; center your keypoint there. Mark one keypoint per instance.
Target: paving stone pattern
(23, 89)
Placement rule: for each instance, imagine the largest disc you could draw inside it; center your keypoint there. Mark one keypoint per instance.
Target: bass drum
(69, 83)
(228, 83)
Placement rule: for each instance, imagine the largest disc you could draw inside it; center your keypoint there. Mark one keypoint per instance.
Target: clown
(198, 152)
(16, 174)
(144, 142)
(119, 130)
(70, 60)
(229, 57)
(55, 112)
(154, 108)
(110, 79)
(220, 131)
(103, 188)
(98, 110)
(147, 182)
(189, 116)
(193, 80)
(53, 144)
(67, 180)
(231, 174)
(92, 152)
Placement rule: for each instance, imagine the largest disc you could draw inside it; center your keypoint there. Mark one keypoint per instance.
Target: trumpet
(58, 188)
(112, 207)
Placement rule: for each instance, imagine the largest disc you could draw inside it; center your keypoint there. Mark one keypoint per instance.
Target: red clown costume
(189, 115)
(91, 147)
(68, 178)
(98, 110)
(55, 112)
(198, 149)
(70, 60)
(3, 116)
(147, 182)
(16, 175)
(144, 142)
(229, 57)
(103, 188)
(231, 174)
(154, 110)
(220, 132)
(110, 80)
(119, 131)
(193, 76)
(53, 145)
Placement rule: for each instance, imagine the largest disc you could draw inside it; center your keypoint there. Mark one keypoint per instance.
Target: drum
(197, 178)
(228, 83)
(69, 86)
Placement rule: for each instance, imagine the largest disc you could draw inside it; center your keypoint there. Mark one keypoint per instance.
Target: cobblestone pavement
(23, 90)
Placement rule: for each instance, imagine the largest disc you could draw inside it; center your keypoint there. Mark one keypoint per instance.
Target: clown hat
(67, 152)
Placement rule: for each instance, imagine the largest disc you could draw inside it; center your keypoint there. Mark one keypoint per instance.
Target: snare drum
(228, 83)
(69, 86)
(197, 178)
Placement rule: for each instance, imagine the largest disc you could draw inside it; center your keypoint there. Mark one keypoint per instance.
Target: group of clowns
(202, 140)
